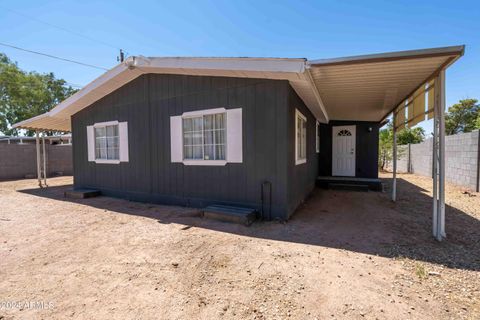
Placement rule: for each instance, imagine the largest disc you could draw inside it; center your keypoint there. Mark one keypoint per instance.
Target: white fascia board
(141, 65)
(25, 123)
(103, 79)
(234, 64)
(410, 54)
(292, 70)
(316, 92)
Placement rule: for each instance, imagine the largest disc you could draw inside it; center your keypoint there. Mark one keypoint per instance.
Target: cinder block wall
(421, 157)
(461, 156)
(59, 159)
(402, 159)
(461, 159)
(19, 160)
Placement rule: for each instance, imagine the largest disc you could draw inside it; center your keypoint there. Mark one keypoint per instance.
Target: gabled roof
(351, 88)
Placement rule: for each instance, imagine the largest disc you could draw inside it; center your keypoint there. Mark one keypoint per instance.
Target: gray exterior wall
(148, 102)
(20, 160)
(366, 148)
(461, 159)
(301, 178)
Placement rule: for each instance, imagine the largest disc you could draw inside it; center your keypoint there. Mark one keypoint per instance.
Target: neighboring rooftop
(57, 139)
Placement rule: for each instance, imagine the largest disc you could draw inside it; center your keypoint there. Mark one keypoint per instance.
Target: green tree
(26, 94)
(404, 136)
(409, 135)
(385, 146)
(462, 117)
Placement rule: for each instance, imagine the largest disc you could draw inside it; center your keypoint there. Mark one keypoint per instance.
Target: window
(107, 143)
(344, 133)
(300, 138)
(317, 137)
(204, 137)
(209, 137)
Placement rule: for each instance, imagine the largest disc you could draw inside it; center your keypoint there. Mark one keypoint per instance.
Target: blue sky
(307, 29)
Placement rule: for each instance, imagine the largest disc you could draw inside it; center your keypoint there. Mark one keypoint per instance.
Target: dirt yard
(343, 255)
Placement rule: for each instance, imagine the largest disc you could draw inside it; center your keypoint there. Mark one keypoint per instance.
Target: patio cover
(369, 87)
(360, 88)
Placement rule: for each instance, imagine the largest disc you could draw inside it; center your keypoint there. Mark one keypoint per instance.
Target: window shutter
(123, 141)
(91, 143)
(234, 136)
(176, 141)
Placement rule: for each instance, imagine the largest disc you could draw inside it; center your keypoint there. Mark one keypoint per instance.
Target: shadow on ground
(357, 221)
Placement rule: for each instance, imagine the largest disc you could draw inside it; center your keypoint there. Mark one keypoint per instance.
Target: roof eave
(388, 56)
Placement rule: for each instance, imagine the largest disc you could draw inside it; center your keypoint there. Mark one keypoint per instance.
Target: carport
(407, 85)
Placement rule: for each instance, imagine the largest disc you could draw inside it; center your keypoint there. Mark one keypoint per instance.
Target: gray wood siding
(148, 102)
(302, 177)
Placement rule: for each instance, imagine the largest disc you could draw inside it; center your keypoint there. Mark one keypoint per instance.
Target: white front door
(343, 151)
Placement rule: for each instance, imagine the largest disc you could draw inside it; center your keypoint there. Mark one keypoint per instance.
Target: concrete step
(374, 184)
(233, 214)
(348, 187)
(81, 193)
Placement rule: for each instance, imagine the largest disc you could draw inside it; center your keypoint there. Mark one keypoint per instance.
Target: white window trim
(203, 162)
(104, 124)
(107, 161)
(317, 137)
(297, 160)
(206, 112)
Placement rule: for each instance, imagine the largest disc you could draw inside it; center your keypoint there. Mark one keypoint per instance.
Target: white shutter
(91, 143)
(234, 136)
(123, 141)
(176, 141)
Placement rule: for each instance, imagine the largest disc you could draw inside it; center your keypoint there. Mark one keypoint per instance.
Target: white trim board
(104, 124)
(302, 116)
(205, 112)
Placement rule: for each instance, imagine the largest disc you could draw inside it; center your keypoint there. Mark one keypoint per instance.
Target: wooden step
(233, 214)
(81, 193)
(348, 187)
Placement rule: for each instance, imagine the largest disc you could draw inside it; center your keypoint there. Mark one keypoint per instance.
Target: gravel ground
(343, 255)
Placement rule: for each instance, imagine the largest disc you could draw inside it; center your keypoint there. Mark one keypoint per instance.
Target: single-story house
(251, 132)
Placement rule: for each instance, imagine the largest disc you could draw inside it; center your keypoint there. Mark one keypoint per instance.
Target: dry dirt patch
(343, 255)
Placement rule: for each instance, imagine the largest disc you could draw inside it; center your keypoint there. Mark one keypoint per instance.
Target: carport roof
(361, 88)
(369, 87)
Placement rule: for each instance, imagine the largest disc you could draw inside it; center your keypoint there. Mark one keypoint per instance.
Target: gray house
(250, 132)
